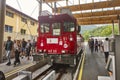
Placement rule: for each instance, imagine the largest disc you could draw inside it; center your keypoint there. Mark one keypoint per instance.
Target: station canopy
(88, 12)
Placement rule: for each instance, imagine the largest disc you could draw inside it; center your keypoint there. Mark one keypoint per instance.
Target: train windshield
(69, 27)
(56, 29)
(45, 28)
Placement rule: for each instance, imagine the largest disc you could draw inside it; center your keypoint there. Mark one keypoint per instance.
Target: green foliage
(100, 31)
(86, 35)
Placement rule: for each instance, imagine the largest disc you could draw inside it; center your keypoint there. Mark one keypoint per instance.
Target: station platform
(6, 69)
(12, 71)
(94, 65)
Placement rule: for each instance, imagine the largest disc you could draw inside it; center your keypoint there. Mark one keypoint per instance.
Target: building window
(24, 20)
(8, 28)
(32, 23)
(23, 31)
(9, 14)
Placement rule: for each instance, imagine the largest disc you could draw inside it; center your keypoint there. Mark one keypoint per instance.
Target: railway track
(43, 74)
(61, 71)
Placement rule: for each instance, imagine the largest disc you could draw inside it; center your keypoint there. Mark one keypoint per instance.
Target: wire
(19, 5)
(59, 4)
(30, 15)
(33, 10)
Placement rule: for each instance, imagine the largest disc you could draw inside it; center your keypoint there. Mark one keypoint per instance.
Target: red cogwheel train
(57, 38)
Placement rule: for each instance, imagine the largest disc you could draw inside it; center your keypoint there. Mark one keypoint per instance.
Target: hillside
(87, 28)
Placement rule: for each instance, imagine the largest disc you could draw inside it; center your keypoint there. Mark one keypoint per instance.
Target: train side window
(69, 27)
(56, 28)
(45, 28)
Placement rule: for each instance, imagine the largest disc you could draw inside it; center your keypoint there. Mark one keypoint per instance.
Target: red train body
(58, 38)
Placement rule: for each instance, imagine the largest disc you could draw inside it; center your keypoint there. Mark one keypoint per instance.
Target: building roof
(9, 7)
(92, 11)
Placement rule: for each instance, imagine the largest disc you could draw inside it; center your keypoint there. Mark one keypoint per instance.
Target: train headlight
(60, 43)
(41, 44)
(40, 50)
(71, 39)
(45, 50)
(63, 51)
(65, 46)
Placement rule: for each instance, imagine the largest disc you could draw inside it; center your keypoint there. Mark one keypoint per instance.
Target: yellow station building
(19, 25)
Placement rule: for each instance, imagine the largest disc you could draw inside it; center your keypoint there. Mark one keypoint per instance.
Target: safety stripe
(81, 69)
(18, 69)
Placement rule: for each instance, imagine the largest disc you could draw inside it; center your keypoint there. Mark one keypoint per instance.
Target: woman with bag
(17, 52)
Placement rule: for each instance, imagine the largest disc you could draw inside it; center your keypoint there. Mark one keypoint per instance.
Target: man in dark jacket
(92, 45)
(8, 48)
(23, 45)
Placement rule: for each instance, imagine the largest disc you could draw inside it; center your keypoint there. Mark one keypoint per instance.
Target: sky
(31, 7)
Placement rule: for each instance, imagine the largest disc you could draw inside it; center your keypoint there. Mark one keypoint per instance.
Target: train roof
(58, 17)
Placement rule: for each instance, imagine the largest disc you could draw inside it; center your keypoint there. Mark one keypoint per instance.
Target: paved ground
(94, 65)
(5, 68)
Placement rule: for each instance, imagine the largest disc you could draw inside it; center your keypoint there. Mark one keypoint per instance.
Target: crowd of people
(99, 45)
(95, 45)
(20, 48)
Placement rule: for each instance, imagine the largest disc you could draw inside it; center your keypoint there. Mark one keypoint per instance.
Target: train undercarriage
(72, 60)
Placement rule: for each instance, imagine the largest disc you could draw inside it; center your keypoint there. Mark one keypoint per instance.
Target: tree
(101, 31)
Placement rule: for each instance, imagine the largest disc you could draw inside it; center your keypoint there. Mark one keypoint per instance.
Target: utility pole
(40, 7)
(118, 24)
(113, 27)
(2, 24)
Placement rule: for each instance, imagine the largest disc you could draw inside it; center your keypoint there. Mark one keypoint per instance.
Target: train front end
(57, 38)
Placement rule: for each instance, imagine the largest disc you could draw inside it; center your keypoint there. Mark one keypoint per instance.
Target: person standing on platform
(92, 45)
(96, 45)
(28, 49)
(23, 45)
(17, 52)
(8, 48)
(99, 45)
(106, 49)
(33, 44)
(89, 43)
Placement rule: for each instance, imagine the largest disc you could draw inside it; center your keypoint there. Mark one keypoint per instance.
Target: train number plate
(52, 40)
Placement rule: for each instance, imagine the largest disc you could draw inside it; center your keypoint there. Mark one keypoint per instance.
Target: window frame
(59, 28)
(10, 14)
(32, 23)
(68, 27)
(24, 20)
(8, 28)
(44, 31)
(23, 31)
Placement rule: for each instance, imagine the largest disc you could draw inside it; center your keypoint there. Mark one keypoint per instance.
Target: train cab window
(45, 28)
(56, 28)
(69, 27)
